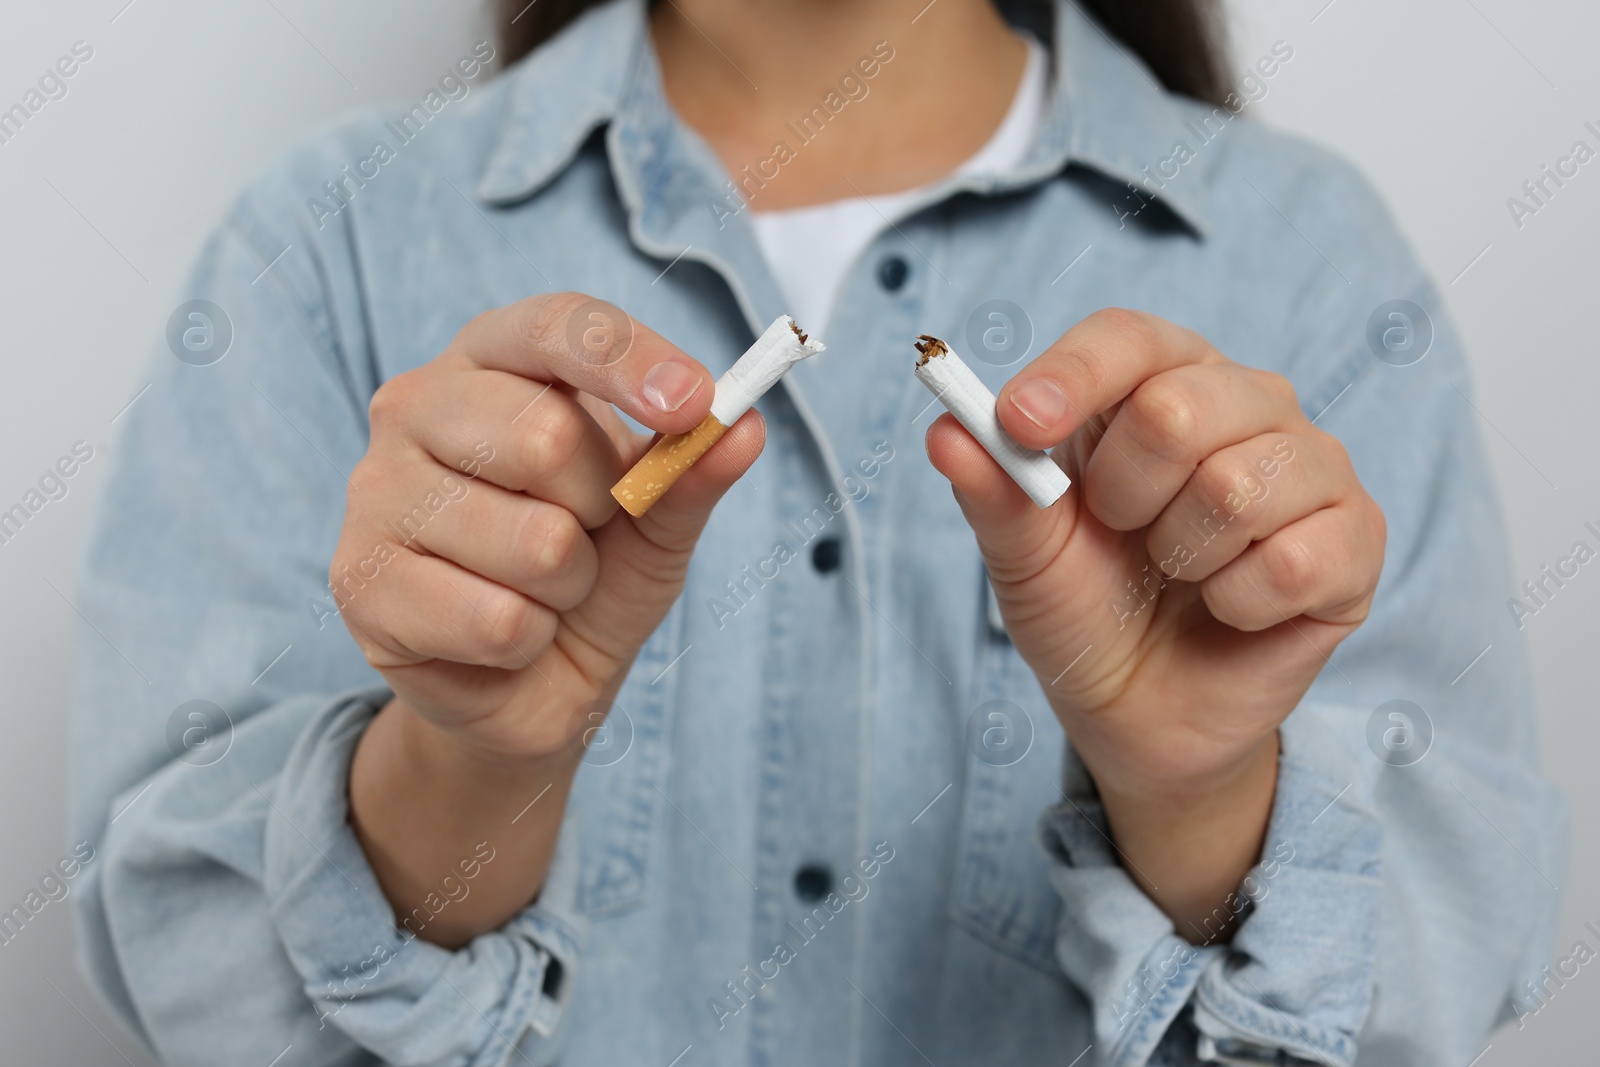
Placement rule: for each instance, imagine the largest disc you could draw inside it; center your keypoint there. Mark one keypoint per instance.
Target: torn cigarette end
(929, 346)
(664, 464)
(952, 382)
(779, 347)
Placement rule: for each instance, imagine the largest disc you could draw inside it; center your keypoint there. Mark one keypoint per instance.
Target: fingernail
(1042, 401)
(669, 385)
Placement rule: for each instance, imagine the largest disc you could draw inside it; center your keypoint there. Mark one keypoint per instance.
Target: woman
(779, 772)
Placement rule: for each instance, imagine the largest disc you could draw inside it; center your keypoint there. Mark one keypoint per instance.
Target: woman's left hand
(1177, 603)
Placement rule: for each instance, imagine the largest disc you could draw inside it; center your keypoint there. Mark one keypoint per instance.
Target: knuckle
(1339, 455)
(1380, 526)
(1225, 603)
(1164, 420)
(341, 559)
(508, 626)
(1100, 344)
(365, 483)
(353, 610)
(548, 538)
(1084, 368)
(393, 401)
(1371, 538)
(354, 563)
(477, 327)
(562, 535)
(1292, 567)
(1228, 482)
(541, 321)
(532, 320)
(374, 653)
(1125, 327)
(550, 440)
(1279, 388)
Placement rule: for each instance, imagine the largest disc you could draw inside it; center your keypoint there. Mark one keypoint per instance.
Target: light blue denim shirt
(868, 724)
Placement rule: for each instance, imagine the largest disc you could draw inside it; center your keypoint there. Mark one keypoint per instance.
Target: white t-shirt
(811, 248)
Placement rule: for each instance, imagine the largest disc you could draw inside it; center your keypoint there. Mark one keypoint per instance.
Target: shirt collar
(561, 94)
(1107, 111)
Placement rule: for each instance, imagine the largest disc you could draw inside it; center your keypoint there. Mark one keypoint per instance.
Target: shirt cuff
(1113, 943)
(1294, 984)
(503, 995)
(1298, 976)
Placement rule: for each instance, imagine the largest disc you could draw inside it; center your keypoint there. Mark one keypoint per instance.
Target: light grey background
(1448, 105)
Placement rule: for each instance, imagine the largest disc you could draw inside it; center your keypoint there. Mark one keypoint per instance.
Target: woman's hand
(485, 570)
(1177, 603)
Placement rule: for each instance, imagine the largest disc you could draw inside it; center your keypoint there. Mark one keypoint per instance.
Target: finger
(675, 522)
(1168, 425)
(643, 561)
(527, 436)
(629, 445)
(1324, 566)
(1018, 539)
(535, 547)
(405, 608)
(1093, 366)
(598, 348)
(1242, 495)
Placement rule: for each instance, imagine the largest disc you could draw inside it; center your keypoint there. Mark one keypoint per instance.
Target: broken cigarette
(953, 383)
(775, 351)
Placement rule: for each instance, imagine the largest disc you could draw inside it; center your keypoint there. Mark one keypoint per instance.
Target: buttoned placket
(814, 789)
(814, 768)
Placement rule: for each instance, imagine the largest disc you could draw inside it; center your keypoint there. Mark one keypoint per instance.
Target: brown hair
(1180, 40)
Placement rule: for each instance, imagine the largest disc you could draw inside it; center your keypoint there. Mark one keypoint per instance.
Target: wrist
(408, 777)
(1189, 844)
(452, 757)
(1194, 791)
(421, 804)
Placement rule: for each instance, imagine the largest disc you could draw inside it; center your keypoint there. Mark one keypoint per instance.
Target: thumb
(643, 561)
(1018, 538)
(674, 522)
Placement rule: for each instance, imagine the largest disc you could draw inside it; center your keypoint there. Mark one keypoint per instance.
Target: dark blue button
(825, 555)
(553, 974)
(893, 271)
(812, 882)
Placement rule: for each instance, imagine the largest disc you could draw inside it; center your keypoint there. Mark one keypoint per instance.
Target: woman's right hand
(504, 614)
(486, 571)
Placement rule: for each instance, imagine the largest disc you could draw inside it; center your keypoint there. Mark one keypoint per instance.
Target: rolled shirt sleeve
(231, 912)
(254, 879)
(1322, 858)
(410, 1001)
(1407, 890)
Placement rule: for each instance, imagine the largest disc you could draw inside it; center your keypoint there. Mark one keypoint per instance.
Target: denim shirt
(831, 819)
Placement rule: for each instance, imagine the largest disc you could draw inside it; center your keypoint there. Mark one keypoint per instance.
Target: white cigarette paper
(965, 397)
(780, 347)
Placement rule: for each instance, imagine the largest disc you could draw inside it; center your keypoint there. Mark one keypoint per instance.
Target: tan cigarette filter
(664, 464)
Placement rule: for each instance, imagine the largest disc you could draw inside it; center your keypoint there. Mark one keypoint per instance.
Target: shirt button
(812, 882)
(892, 272)
(825, 555)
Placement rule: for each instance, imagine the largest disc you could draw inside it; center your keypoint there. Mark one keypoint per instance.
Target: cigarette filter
(953, 383)
(775, 351)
